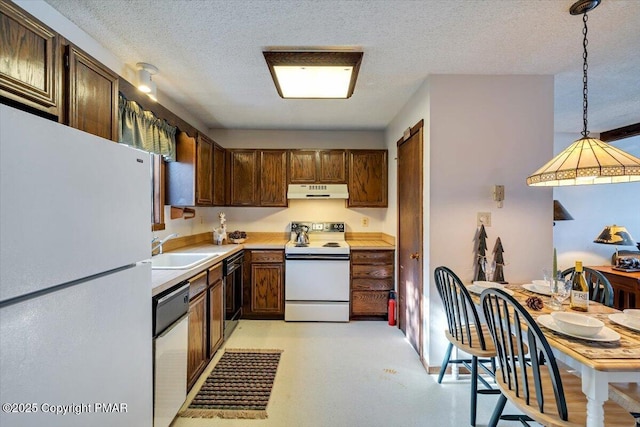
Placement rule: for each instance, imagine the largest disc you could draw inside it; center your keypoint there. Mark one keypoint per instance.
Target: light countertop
(162, 280)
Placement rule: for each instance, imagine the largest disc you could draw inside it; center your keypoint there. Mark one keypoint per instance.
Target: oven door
(317, 290)
(317, 280)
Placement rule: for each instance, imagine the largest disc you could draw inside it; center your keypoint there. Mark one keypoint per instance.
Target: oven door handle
(316, 257)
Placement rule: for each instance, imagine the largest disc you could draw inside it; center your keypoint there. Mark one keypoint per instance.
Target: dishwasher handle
(172, 295)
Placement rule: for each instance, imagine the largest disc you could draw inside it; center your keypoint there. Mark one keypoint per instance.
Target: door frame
(417, 128)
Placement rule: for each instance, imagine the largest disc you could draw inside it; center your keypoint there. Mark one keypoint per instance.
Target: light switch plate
(484, 218)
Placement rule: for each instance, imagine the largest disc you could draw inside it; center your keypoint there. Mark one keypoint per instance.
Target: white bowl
(577, 324)
(632, 316)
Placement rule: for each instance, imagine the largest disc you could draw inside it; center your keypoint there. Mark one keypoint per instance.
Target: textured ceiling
(210, 60)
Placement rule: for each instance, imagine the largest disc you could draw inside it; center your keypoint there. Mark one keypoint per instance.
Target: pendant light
(588, 160)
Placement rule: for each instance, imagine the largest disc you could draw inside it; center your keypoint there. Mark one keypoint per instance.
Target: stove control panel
(319, 227)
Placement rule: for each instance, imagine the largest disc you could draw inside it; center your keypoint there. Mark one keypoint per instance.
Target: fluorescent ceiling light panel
(314, 74)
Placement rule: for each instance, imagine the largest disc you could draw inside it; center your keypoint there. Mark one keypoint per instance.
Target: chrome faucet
(162, 242)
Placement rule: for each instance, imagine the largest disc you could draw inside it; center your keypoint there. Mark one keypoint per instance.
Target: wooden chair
(465, 331)
(600, 288)
(540, 389)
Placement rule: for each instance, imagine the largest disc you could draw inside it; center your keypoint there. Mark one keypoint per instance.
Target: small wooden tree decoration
(482, 254)
(498, 274)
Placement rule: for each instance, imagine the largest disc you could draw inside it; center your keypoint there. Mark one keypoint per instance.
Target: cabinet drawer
(371, 271)
(369, 302)
(215, 273)
(198, 284)
(267, 256)
(372, 284)
(372, 257)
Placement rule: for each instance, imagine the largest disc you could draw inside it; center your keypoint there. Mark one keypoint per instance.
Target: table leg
(595, 386)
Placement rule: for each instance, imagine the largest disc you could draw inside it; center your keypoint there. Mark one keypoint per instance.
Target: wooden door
(197, 344)
(204, 167)
(92, 95)
(266, 288)
(303, 166)
(410, 241)
(243, 167)
(367, 178)
(29, 71)
(219, 175)
(273, 178)
(332, 166)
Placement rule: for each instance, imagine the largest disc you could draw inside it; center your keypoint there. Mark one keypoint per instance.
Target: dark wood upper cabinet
(91, 95)
(29, 69)
(189, 178)
(303, 166)
(204, 172)
(273, 178)
(367, 178)
(333, 166)
(243, 173)
(219, 175)
(317, 166)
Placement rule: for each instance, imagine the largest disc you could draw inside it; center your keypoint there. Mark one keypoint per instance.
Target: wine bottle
(579, 290)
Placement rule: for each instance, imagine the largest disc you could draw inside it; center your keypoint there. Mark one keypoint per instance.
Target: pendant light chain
(585, 67)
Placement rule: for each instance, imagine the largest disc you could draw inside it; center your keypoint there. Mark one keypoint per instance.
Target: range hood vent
(317, 191)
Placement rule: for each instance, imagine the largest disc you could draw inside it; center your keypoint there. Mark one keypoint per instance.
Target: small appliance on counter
(317, 273)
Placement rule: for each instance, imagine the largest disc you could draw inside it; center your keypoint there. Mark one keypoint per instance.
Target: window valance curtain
(141, 129)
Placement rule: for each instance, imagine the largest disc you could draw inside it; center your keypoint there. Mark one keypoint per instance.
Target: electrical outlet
(365, 221)
(484, 218)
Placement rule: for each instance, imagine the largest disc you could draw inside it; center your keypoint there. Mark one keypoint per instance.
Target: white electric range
(317, 274)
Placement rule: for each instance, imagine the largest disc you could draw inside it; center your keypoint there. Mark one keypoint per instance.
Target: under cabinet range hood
(317, 191)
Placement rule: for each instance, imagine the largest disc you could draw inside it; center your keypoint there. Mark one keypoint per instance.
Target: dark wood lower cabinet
(263, 285)
(216, 309)
(372, 277)
(197, 349)
(206, 321)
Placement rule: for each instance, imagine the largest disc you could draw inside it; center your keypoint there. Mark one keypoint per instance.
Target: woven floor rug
(238, 387)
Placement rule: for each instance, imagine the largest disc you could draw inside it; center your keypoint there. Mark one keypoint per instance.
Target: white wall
(480, 131)
(592, 208)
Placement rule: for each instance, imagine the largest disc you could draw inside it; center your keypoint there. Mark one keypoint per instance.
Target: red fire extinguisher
(392, 308)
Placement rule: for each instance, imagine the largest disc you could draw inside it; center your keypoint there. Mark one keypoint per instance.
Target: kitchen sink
(180, 260)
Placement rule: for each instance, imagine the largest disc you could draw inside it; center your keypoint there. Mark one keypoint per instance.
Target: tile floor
(349, 375)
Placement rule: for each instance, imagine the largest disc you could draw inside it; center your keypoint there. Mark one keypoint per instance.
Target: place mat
(627, 348)
(238, 387)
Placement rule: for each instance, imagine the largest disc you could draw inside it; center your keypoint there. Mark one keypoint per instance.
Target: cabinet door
(219, 174)
(367, 178)
(243, 168)
(266, 288)
(216, 317)
(197, 347)
(333, 167)
(204, 166)
(303, 166)
(29, 69)
(92, 95)
(273, 178)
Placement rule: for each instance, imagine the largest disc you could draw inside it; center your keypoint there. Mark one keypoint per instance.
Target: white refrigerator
(75, 298)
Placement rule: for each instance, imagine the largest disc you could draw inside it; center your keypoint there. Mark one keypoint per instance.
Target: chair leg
(445, 362)
(474, 389)
(497, 412)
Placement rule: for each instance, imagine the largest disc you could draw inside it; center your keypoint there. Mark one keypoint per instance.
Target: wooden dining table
(598, 363)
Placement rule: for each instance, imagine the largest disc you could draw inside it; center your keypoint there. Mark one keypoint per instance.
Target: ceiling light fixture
(145, 71)
(588, 160)
(314, 74)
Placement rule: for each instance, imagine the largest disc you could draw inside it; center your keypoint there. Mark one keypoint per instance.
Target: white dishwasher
(170, 332)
